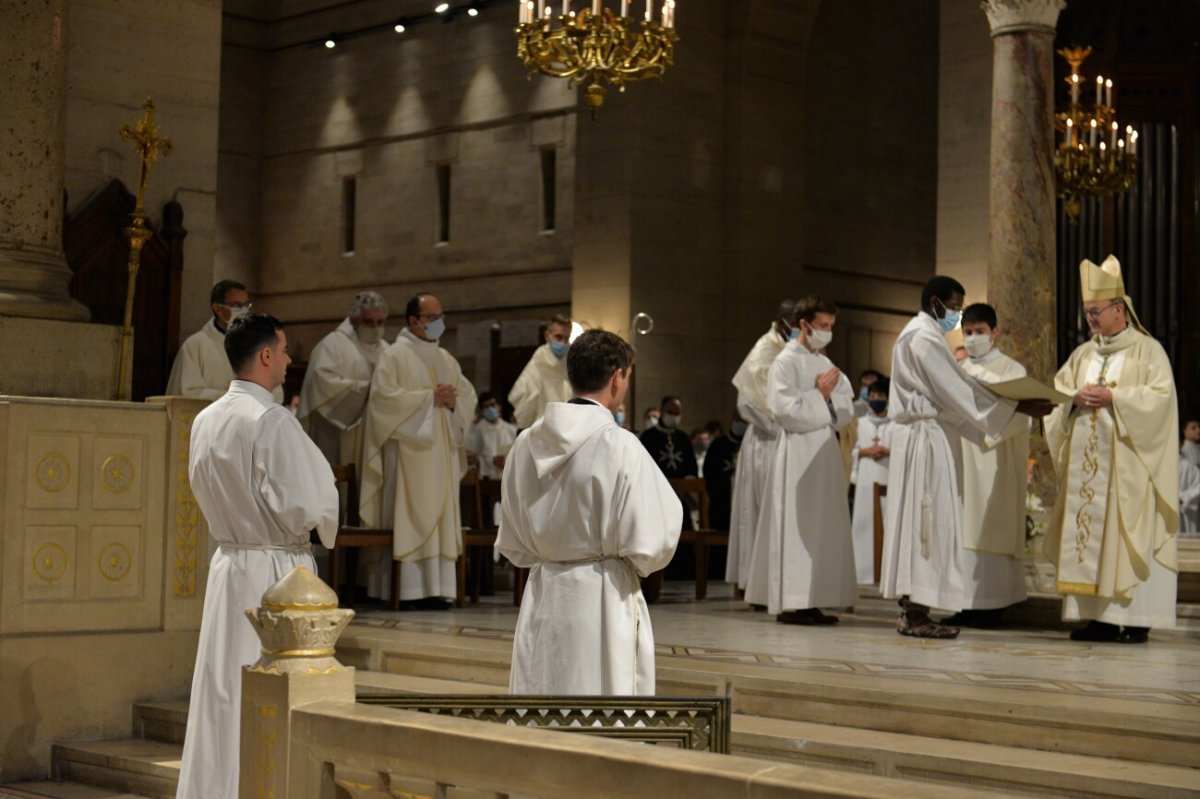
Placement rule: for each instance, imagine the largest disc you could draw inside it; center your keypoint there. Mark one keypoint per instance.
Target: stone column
(1021, 275)
(33, 271)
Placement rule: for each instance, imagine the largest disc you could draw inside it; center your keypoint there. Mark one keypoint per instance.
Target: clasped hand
(827, 382)
(1093, 397)
(444, 396)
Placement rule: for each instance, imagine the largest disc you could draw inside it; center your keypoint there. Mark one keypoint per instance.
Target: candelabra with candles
(1092, 156)
(594, 44)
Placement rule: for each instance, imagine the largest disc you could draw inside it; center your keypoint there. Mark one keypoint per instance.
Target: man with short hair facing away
(586, 509)
(754, 458)
(262, 485)
(201, 370)
(1113, 529)
(995, 476)
(803, 554)
(491, 437)
(870, 459)
(333, 399)
(414, 456)
(933, 402)
(544, 378)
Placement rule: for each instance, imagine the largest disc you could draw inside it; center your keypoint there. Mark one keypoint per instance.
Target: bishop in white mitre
(333, 399)
(588, 511)
(753, 460)
(262, 486)
(201, 369)
(1112, 533)
(414, 456)
(544, 378)
(803, 555)
(933, 402)
(994, 477)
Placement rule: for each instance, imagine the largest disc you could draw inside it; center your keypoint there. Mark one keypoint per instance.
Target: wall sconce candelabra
(595, 45)
(1092, 157)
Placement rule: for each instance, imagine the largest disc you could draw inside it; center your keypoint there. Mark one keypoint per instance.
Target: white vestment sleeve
(964, 402)
(649, 516)
(294, 479)
(753, 414)
(796, 409)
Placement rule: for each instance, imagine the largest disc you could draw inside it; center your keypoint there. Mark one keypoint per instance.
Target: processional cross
(149, 146)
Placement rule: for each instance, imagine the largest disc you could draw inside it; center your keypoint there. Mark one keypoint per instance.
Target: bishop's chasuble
(754, 459)
(588, 511)
(414, 458)
(1113, 529)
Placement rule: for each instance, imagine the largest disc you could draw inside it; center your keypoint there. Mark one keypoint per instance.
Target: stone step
(134, 765)
(161, 721)
(1135, 729)
(914, 757)
(62, 790)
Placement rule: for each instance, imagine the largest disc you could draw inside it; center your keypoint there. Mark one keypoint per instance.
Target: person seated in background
(872, 447)
(720, 464)
(490, 438)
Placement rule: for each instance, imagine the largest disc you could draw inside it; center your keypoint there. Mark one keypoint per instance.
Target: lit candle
(1108, 93)
(624, 8)
(1099, 87)
(1092, 136)
(1070, 133)
(1074, 88)
(541, 8)
(649, 8)
(596, 7)
(566, 7)
(1113, 138)
(1133, 137)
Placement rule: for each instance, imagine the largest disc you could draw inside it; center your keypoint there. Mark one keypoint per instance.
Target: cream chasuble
(588, 511)
(334, 397)
(803, 553)
(1113, 529)
(993, 488)
(543, 380)
(262, 485)
(201, 369)
(418, 496)
(932, 402)
(754, 458)
(867, 473)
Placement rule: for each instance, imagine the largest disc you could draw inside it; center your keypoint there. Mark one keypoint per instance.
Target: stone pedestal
(34, 276)
(1021, 230)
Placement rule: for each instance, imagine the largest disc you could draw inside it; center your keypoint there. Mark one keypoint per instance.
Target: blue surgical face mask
(435, 329)
(619, 417)
(862, 394)
(878, 406)
(491, 413)
(558, 348)
(793, 333)
(950, 320)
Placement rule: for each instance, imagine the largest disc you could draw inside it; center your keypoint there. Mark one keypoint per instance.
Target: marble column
(1021, 229)
(34, 276)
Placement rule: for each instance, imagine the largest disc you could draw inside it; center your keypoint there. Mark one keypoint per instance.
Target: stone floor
(1167, 669)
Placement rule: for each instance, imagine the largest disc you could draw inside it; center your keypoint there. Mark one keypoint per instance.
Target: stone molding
(1017, 16)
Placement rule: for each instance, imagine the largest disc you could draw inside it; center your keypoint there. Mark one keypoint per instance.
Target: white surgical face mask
(369, 335)
(669, 421)
(435, 329)
(818, 339)
(977, 344)
(237, 311)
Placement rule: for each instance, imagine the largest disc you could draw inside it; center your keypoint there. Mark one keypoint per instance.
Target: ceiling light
(330, 43)
(399, 28)
(442, 8)
(472, 12)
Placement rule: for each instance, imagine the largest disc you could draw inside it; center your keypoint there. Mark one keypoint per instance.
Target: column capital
(1015, 16)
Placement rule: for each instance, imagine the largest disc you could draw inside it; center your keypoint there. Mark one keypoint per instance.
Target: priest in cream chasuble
(1113, 530)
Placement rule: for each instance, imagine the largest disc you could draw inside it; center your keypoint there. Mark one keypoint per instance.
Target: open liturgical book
(1026, 388)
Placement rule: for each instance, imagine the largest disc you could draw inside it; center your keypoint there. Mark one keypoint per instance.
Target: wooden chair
(880, 493)
(704, 539)
(351, 537)
(479, 535)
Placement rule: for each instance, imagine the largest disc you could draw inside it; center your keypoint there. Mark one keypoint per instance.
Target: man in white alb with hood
(263, 486)
(544, 378)
(587, 509)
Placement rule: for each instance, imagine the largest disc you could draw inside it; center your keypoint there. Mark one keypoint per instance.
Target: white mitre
(1104, 282)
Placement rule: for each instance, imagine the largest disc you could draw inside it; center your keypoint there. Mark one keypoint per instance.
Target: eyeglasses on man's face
(1094, 313)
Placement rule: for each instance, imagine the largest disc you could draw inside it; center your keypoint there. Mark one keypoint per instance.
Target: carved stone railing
(304, 736)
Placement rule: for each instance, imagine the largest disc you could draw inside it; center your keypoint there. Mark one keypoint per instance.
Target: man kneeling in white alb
(586, 508)
(262, 485)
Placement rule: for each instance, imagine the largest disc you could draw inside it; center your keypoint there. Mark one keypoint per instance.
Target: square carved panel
(118, 475)
(115, 570)
(52, 472)
(49, 564)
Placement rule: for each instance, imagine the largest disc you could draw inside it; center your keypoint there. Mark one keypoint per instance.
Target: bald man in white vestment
(333, 399)
(201, 369)
(994, 489)
(262, 485)
(803, 556)
(753, 460)
(588, 511)
(933, 402)
(414, 457)
(544, 378)
(1114, 526)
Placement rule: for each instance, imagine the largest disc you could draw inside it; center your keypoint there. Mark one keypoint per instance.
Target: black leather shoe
(1134, 635)
(1097, 631)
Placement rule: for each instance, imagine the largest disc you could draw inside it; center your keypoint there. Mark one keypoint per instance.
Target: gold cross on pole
(149, 146)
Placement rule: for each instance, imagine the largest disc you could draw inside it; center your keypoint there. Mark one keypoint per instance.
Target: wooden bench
(704, 539)
(479, 495)
(351, 537)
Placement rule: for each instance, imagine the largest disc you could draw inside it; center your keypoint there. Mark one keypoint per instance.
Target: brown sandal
(921, 626)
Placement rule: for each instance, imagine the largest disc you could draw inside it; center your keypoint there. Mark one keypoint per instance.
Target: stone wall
(119, 52)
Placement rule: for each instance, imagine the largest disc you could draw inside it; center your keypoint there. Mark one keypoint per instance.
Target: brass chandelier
(595, 45)
(1092, 157)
